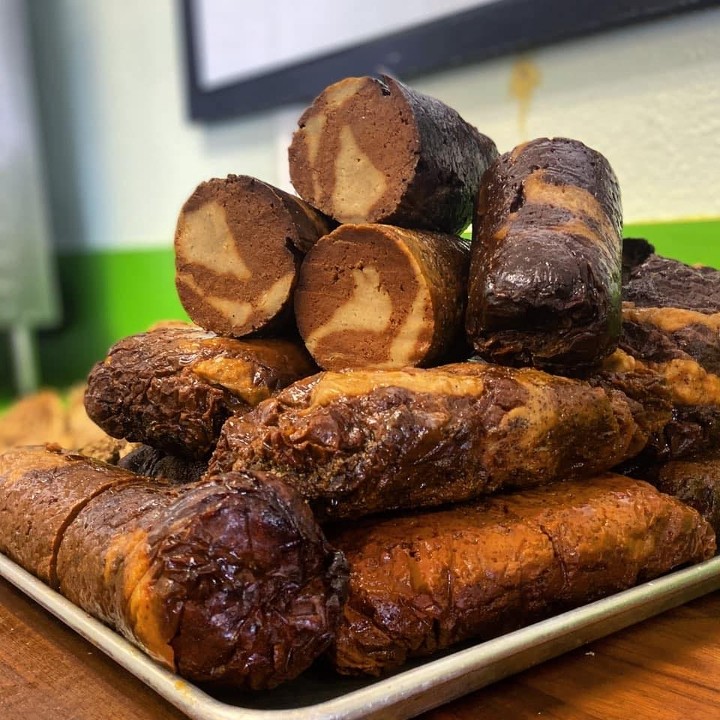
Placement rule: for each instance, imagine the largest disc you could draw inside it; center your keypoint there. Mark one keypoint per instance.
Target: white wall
(122, 156)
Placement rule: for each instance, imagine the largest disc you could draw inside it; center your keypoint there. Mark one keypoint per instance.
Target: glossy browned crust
(433, 160)
(268, 229)
(226, 582)
(545, 275)
(696, 482)
(421, 583)
(675, 429)
(670, 317)
(42, 488)
(443, 440)
(148, 461)
(693, 429)
(173, 388)
(411, 284)
(647, 393)
(229, 582)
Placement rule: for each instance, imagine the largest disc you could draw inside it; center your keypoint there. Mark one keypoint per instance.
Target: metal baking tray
(320, 695)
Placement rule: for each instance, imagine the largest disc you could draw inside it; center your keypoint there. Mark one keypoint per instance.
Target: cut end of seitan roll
(229, 582)
(373, 150)
(238, 244)
(382, 296)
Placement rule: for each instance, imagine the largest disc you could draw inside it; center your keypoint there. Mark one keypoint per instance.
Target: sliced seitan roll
(374, 151)
(381, 296)
(238, 246)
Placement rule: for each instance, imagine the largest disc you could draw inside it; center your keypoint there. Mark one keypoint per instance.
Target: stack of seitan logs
(411, 495)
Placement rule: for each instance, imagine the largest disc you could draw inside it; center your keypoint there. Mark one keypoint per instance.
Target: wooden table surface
(666, 668)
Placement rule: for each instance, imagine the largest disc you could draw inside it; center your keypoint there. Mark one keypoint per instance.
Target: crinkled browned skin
(671, 325)
(696, 482)
(227, 582)
(692, 390)
(647, 391)
(661, 334)
(545, 273)
(655, 281)
(173, 388)
(682, 347)
(421, 583)
(359, 442)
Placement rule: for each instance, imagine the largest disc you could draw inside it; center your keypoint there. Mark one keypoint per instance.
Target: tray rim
(413, 691)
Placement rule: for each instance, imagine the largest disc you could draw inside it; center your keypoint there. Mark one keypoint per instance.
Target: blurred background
(112, 112)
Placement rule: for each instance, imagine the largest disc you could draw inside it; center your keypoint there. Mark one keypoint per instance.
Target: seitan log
(375, 151)
(423, 582)
(359, 442)
(173, 388)
(545, 275)
(228, 582)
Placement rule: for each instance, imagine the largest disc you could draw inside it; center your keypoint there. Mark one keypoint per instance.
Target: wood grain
(48, 672)
(665, 668)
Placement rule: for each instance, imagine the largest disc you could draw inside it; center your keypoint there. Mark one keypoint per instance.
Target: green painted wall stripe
(108, 295)
(696, 241)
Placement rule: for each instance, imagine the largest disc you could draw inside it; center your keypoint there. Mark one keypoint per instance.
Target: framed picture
(245, 56)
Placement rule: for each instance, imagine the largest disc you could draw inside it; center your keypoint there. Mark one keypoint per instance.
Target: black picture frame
(487, 31)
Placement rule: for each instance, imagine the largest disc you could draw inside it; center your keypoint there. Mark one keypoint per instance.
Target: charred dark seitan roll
(545, 275)
(655, 281)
